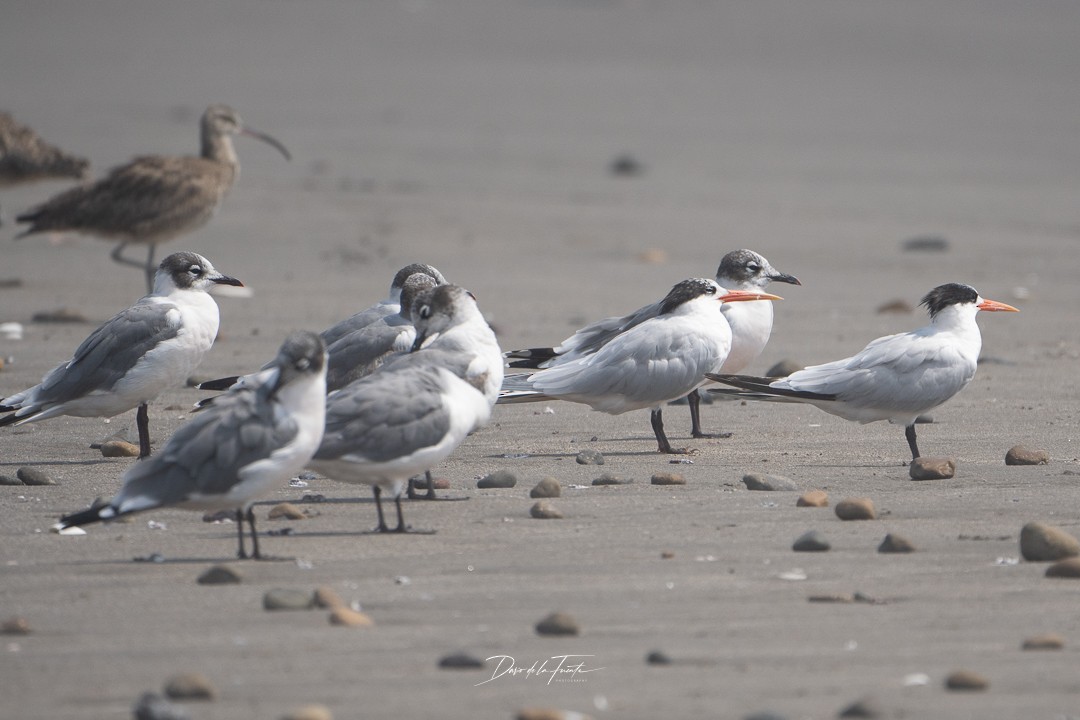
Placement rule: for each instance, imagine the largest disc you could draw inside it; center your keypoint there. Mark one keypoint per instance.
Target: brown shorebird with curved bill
(153, 198)
(25, 157)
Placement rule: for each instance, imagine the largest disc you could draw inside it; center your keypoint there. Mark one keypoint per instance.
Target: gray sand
(477, 136)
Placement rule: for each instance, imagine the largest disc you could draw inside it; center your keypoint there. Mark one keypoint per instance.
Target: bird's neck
(218, 147)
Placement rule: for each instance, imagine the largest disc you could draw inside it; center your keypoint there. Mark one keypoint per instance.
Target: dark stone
(784, 368)
(460, 661)
(497, 479)
(33, 476)
(756, 481)
(895, 544)
(590, 457)
(811, 541)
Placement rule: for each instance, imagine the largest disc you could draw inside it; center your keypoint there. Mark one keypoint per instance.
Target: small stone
(497, 479)
(657, 657)
(755, 481)
(543, 510)
(15, 626)
(864, 708)
(285, 510)
(895, 544)
(966, 680)
(926, 243)
(347, 617)
(609, 479)
(838, 598)
(288, 599)
(189, 686)
(33, 476)
(219, 517)
(811, 541)
(1041, 542)
(309, 712)
(219, 575)
(8, 480)
(784, 368)
(928, 468)
(460, 661)
(668, 479)
(625, 166)
(590, 457)
(63, 315)
(547, 488)
(1022, 455)
(1049, 641)
(119, 448)
(855, 509)
(1069, 568)
(813, 498)
(558, 623)
(440, 483)
(152, 706)
(667, 555)
(326, 597)
(895, 306)
(538, 713)
(73, 530)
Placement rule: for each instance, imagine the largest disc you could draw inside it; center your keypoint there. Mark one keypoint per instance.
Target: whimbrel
(153, 198)
(25, 157)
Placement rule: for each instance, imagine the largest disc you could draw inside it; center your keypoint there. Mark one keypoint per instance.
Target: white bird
(750, 323)
(152, 346)
(650, 363)
(240, 449)
(415, 410)
(896, 377)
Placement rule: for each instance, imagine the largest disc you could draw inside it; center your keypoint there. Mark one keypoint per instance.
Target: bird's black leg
(400, 518)
(241, 553)
(694, 401)
(430, 495)
(142, 422)
(657, 419)
(255, 554)
(377, 492)
(909, 432)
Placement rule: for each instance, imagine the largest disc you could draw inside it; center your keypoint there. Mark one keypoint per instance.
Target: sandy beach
(479, 136)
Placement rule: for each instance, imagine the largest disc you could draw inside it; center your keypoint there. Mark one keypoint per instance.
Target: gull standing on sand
(417, 408)
(652, 362)
(153, 198)
(750, 323)
(144, 350)
(244, 447)
(896, 377)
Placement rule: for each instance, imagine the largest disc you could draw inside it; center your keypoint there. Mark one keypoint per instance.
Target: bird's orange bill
(995, 306)
(743, 296)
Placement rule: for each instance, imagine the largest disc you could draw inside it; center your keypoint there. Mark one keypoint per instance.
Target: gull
(415, 410)
(896, 377)
(750, 323)
(142, 351)
(648, 364)
(153, 198)
(239, 450)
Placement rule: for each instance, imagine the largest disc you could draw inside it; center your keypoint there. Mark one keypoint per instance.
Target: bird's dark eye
(196, 270)
(302, 364)
(425, 312)
(754, 267)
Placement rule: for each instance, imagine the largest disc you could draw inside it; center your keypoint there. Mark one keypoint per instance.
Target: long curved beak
(744, 296)
(995, 306)
(273, 142)
(785, 278)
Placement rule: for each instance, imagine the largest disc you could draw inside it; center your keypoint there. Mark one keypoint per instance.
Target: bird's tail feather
(220, 384)
(529, 358)
(89, 516)
(762, 386)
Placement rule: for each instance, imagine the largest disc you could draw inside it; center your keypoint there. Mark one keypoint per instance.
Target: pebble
(1042, 542)
(811, 541)
(73, 530)
(11, 330)
(547, 488)
(838, 598)
(966, 680)
(538, 713)
(928, 468)
(864, 708)
(286, 511)
(625, 165)
(1023, 455)
(152, 706)
(813, 498)
(590, 457)
(189, 686)
(756, 481)
(119, 448)
(33, 476)
(219, 517)
(1069, 568)
(8, 480)
(657, 657)
(609, 479)
(926, 243)
(497, 479)
(440, 483)
(219, 575)
(309, 712)
(63, 315)
(326, 597)
(784, 368)
(1049, 641)
(895, 306)
(895, 544)
(15, 626)
(558, 623)
(668, 479)
(856, 509)
(460, 661)
(288, 599)
(543, 510)
(347, 617)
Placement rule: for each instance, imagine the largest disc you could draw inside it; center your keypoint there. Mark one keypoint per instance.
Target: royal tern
(650, 363)
(896, 377)
(152, 346)
(751, 325)
(240, 449)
